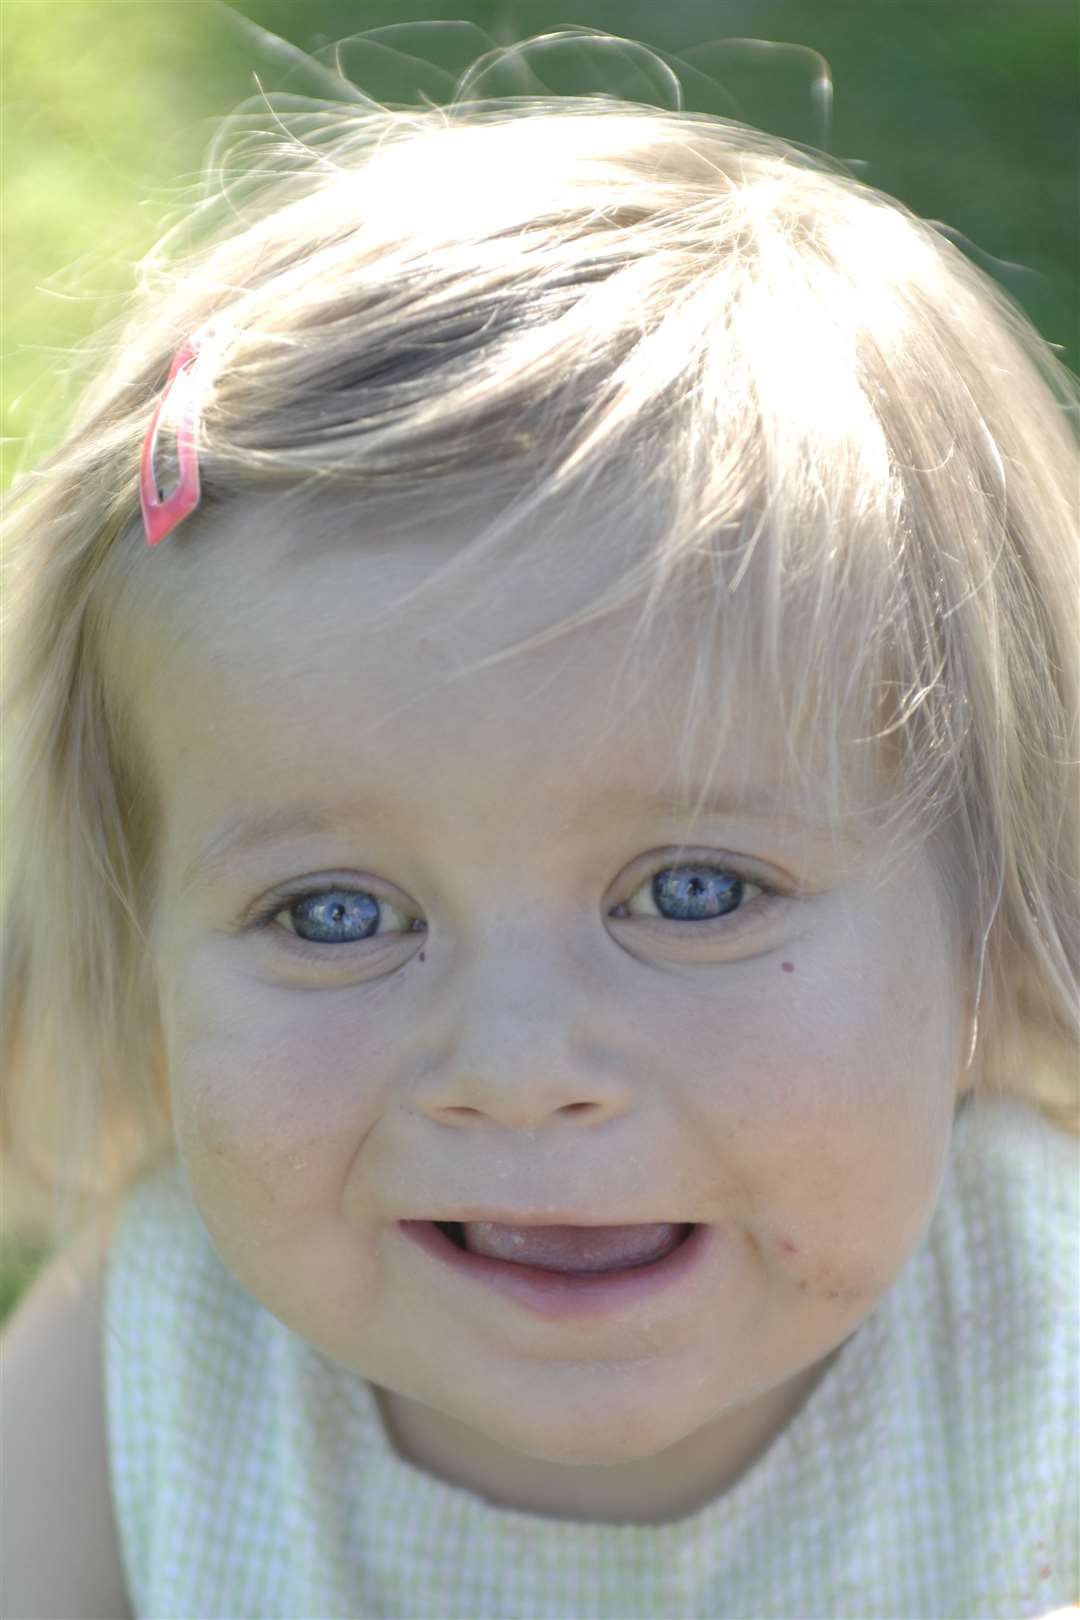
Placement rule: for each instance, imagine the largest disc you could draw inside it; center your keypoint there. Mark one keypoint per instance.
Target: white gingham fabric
(932, 1474)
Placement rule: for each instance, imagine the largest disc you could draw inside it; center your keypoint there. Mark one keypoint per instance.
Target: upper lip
(548, 1217)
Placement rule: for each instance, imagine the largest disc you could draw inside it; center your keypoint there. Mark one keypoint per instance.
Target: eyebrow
(306, 819)
(242, 833)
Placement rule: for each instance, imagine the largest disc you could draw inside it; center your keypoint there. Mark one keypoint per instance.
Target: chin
(584, 1438)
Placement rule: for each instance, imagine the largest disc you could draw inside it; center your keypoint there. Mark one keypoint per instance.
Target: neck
(652, 1490)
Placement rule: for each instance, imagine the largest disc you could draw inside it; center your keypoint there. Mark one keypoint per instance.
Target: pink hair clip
(161, 513)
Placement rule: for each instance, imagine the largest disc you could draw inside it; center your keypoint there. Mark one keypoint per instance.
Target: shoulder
(1014, 1174)
(1006, 1255)
(1011, 1225)
(58, 1540)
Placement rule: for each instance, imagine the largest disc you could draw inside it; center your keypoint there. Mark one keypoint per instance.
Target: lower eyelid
(326, 952)
(768, 909)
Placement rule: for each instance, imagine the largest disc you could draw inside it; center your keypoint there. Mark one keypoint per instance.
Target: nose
(519, 1040)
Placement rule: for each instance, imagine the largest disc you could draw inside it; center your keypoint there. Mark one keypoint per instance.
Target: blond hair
(852, 453)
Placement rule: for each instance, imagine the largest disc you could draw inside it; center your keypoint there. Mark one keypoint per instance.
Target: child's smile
(573, 1271)
(508, 977)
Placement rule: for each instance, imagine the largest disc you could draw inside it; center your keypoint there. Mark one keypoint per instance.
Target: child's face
(784, 1074)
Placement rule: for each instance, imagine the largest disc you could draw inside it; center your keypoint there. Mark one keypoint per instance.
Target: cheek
(843, 1078)
(274, 1089)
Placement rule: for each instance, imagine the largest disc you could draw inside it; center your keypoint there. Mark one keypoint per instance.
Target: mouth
(669, 1236)
(581, 1272)
(566, 1249)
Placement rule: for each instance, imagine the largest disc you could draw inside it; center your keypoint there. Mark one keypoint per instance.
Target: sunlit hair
(809, 422)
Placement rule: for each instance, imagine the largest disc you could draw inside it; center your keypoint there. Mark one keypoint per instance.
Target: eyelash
(728, 924)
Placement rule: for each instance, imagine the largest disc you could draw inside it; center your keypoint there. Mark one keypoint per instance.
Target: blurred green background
(966, 111)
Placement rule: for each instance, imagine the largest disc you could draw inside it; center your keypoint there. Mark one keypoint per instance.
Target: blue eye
(338, 916)
(693, 892)
(690, 893)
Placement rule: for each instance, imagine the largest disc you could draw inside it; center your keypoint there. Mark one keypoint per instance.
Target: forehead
(270, 651)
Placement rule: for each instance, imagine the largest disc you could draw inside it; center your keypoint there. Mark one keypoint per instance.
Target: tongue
(572, 1248)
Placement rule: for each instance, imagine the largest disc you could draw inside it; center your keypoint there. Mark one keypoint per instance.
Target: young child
(542, 905)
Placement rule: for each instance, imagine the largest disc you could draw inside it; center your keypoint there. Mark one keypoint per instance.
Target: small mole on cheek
(421, 956)
(787, 967)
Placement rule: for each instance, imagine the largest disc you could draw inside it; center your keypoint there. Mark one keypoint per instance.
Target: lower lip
(559, 1294)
